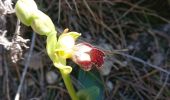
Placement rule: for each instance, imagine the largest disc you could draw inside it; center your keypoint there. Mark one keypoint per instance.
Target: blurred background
(136, 34)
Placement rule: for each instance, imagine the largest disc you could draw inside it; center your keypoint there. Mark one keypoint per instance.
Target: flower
(66, 42)
(87, 56)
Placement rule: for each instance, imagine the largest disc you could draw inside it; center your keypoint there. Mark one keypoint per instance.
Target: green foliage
(92, 82)
(89, 93)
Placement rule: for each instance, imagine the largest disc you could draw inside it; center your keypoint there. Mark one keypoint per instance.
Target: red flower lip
(87, 56)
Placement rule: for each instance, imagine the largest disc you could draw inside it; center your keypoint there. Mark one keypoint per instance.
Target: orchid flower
(87, 56)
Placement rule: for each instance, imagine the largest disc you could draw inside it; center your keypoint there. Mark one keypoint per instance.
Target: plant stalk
(69, 85)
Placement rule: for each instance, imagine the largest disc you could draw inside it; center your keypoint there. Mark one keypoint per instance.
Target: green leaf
(91, 79)
(88, 93)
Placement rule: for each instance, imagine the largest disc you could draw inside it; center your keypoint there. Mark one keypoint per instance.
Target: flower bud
(42, 24)
(25, 10)
(87, 56)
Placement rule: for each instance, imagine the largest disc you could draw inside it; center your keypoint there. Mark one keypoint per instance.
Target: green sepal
(58, 61)
(42, 24)
(65, 69)
(90, 93)
(25, 10)
(51, 45)
(66, 43)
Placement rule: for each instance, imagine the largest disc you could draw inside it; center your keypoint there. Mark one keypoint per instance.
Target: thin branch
(75, 4)
(17, 30)
(142, 61)
(59, 10)
(7, 79)
(17, 96)
(68, 4)
(162, 88)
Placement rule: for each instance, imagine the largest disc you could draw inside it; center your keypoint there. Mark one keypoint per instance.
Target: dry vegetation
(137, 32)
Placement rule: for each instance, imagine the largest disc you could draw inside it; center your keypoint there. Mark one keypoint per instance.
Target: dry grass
(141, 26)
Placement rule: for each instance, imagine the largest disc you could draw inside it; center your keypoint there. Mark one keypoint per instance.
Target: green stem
(69, 86)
